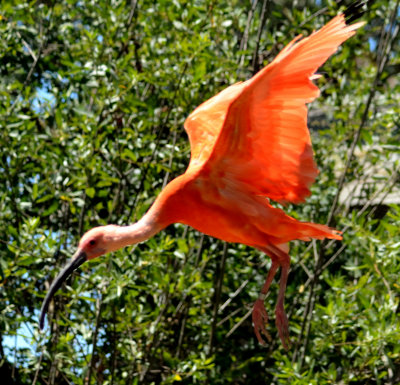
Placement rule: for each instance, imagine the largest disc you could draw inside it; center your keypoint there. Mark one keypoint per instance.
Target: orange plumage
(249, 143)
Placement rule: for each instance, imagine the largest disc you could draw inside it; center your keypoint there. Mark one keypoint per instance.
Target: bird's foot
(282, 325)
(260, 319)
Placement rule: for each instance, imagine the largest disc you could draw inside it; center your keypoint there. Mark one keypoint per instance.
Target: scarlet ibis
(249, 144)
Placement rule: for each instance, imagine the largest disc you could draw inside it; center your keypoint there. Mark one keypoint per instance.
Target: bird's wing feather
(205, 123)
(260, 138)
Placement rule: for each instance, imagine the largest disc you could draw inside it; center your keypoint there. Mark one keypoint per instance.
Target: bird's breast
(217, 210)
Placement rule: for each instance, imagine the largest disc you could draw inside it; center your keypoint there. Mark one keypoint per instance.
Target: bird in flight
(249, 144)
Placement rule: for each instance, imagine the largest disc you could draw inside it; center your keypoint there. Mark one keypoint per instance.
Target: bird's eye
(92, 242)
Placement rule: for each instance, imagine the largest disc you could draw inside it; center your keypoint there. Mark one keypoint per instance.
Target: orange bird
(249, 144)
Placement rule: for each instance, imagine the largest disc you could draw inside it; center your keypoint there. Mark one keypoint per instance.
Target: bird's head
(96, 242)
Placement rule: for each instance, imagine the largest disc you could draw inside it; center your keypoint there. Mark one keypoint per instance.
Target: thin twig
(217, 298)
(132, 12)
(382, 54)
(384, 280)
(233, 295)
(245, 37)
(38, 367)
(247, 315)
(229, 316)
(167, 174)
(255, 63)
(28, 47)
(182, 331)
(99, 304)
(308, 314)
(307, 311)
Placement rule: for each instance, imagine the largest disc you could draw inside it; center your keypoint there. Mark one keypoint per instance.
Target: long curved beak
(78, 259)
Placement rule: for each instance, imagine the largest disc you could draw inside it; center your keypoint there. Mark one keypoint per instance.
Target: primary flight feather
(249, 143)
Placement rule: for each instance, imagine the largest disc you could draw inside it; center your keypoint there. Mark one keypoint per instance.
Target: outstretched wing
(256, 132)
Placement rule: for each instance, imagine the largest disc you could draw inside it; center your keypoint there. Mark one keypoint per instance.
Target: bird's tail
(308, 231)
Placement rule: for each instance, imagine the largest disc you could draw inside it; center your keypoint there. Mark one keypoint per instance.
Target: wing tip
(354, 11)
(335, 234)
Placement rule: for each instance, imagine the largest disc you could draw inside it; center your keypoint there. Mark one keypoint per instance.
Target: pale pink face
(98, 241)
(94, 242)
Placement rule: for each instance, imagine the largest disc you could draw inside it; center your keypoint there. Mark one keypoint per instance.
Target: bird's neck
(166, 209)
(138, 232)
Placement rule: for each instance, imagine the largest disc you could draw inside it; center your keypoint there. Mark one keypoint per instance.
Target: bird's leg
(281, 258)
(259, 315)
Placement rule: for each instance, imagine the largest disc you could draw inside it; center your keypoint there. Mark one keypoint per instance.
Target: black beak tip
(62, 276)
(41, 320)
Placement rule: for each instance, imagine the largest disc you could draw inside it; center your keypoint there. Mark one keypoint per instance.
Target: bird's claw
(260, 319)
(282, 325)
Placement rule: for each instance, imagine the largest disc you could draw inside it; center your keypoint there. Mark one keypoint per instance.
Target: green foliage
(93, 96)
